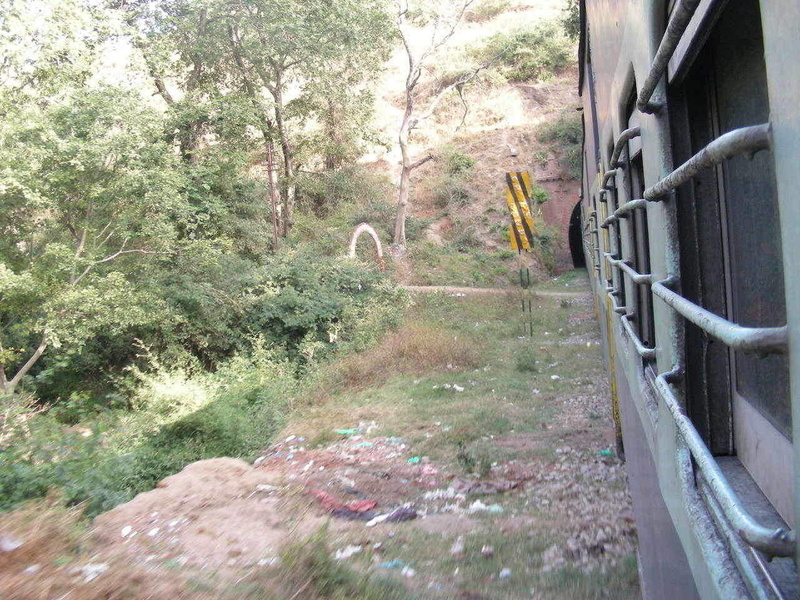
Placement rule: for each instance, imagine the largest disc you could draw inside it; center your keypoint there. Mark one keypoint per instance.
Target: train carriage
(691, 229)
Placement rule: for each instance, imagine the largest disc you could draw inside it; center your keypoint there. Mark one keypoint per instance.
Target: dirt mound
(215, 514)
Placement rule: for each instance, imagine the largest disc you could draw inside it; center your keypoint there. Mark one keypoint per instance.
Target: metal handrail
(624, 137)
(606, 176)
(772, 542)
(745, 339)
(623, 210)
(747, 140)
(636, 277)
(676, 27)
(641, 349)
(617, 308)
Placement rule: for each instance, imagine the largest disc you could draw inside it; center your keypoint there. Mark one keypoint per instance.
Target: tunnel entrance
(575, 238)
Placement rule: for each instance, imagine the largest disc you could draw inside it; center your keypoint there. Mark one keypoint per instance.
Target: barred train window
(729, 236)
(643, 295)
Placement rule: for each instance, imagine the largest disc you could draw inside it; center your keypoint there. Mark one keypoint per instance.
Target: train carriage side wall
(684, 550)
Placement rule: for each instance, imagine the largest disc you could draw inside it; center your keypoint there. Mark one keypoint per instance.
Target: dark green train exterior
(690, 213)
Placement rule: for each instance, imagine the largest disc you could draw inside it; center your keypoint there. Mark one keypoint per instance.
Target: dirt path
(449, 289)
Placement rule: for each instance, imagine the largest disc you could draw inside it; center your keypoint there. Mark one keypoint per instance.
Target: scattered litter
(396, 516)
(391, 564)
(408, 572)
(346, 431)
(266, 488)
(458, 546)
(458, 388)
(606, 453)
(462, 486)
(555, 377)
(31, 570)
(395, 441)
(364, 445)
(414, 460)
(442, 494)
(126, 531)
(153, 532)
(487, 551)
(352, 515)
(347, 552)
(355, 510)
(268, 562)
(479, 506)
(8, 543)
(505, 573)
(429, 470)
(290, 438)
(91, 571)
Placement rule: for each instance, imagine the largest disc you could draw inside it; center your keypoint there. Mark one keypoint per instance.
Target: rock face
(213, 514)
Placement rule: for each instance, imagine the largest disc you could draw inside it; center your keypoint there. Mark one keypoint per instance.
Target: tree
(89, 192)
(447, 15)
(280, 57)
(48, 46)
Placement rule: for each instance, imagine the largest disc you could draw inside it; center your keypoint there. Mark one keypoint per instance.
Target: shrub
(452, 192)
(529, 54)
(456, 162)
(309, 566)
(487, 10)
(565, 134)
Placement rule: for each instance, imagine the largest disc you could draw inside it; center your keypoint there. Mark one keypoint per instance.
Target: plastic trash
(391, 564)
(346, 431)
(606, 453)
(414, 460)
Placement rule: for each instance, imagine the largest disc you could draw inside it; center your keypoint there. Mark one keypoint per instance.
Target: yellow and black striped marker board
(518, 194)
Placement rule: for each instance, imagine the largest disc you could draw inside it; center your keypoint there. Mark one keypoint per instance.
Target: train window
(731, 258)
(642, 296)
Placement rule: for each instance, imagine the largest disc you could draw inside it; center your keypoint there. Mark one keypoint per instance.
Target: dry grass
(414, 349)
(54, 552)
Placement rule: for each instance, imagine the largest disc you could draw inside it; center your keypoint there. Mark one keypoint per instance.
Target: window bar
(772, 542)
(641, 349)
(623, 210)
(617, 308)
(676, 27)
(747, 140)
(623, 139)
(608, 175)
(636, 277)
(746, 339)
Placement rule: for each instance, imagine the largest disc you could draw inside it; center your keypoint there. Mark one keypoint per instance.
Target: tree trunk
(7, 386)
(272, 188)
(405, 180)
(288, 191)
(332, 155)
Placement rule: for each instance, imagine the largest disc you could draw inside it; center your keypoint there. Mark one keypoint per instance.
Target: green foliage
(310, 565)
(456, 162)
(525, 359)
(321, 193)
(571, 19)
(565, 134)
(529, 54)
(539, 195)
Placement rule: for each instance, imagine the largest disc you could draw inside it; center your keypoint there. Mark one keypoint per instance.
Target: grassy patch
(565, 136)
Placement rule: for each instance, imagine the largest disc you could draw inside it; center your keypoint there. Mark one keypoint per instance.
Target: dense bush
(529, 54)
